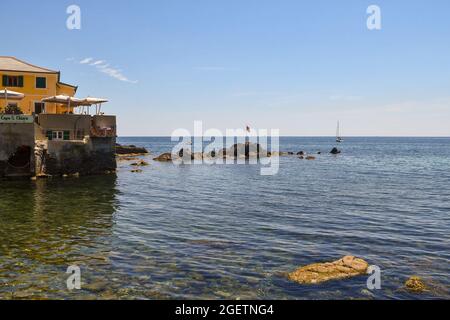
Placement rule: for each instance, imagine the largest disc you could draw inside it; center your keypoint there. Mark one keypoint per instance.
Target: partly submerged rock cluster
(246, 150)
(346, 267)
(237, 151)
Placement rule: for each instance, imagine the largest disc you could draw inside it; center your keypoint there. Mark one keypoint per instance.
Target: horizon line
(295, 136)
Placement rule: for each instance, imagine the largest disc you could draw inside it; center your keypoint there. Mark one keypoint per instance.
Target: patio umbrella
(63, 99)
(89, 101)
(11, 95)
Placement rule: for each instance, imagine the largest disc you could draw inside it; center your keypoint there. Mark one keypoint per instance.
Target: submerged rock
(335, 151)
(74, 175)
(346, 267)
(140, 163)
(165, 157)
(43, 176)
(281, 154)
(125, 158)
(130, 150)
(415, 284)
(310, 158)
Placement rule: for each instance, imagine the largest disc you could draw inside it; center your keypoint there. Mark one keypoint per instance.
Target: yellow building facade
(36, 83)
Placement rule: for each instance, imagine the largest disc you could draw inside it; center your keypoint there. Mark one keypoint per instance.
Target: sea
(225, 231)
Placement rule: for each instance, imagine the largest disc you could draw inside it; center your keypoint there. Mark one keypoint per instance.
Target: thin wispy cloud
(86, 61)
(98, 62)
(103, 67)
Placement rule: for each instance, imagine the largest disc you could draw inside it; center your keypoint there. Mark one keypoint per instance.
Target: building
(35, 83)
(50, 139)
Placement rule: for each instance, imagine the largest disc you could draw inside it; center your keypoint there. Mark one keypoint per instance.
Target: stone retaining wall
(17, 150)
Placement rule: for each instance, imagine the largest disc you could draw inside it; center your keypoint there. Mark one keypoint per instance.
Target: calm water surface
(227, 232)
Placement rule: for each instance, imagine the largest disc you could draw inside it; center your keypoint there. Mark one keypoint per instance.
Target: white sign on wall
(16, 118)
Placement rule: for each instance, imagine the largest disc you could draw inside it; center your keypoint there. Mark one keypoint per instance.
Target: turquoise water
(225, 231)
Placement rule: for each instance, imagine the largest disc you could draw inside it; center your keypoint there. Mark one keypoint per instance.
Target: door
(39, 107)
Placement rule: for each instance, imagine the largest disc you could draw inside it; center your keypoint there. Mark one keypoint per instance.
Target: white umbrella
(12, 95)
(63, 99)
(89, 101)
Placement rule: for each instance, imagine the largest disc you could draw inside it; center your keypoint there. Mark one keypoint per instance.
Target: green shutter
(41, 83)
(66, 135)
(5, 80)
(49, 135)
(20, 81)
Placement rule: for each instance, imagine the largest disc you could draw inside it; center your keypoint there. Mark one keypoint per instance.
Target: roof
(14, 64)
(66, 84)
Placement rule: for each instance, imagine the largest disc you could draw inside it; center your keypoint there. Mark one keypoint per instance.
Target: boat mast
(338, 134)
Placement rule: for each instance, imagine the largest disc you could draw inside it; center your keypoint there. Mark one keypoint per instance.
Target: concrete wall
(78, 125)
(91, 156)
(64, 122)
(14, 136)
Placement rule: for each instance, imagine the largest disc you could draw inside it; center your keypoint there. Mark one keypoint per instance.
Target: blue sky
(294, 65)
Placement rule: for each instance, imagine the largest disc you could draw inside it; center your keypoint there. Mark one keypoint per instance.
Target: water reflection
(48, 225)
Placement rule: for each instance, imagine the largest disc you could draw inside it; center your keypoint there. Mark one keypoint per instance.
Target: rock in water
(346, 267)
(130, 150)
(310, 158)
(335, 151)
(415, 284)
(140, 163)
(301, 153)
(197, 156)
(246, 150)
(165, 157)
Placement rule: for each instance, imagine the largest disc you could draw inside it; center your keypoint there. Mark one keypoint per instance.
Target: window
(41, 83)
(12, 81)
(39, 107)
(58, 135)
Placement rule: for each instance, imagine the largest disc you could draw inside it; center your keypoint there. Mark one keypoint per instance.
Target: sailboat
(339, 139)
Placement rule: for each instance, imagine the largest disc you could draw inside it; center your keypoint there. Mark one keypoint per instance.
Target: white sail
(338, 133)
